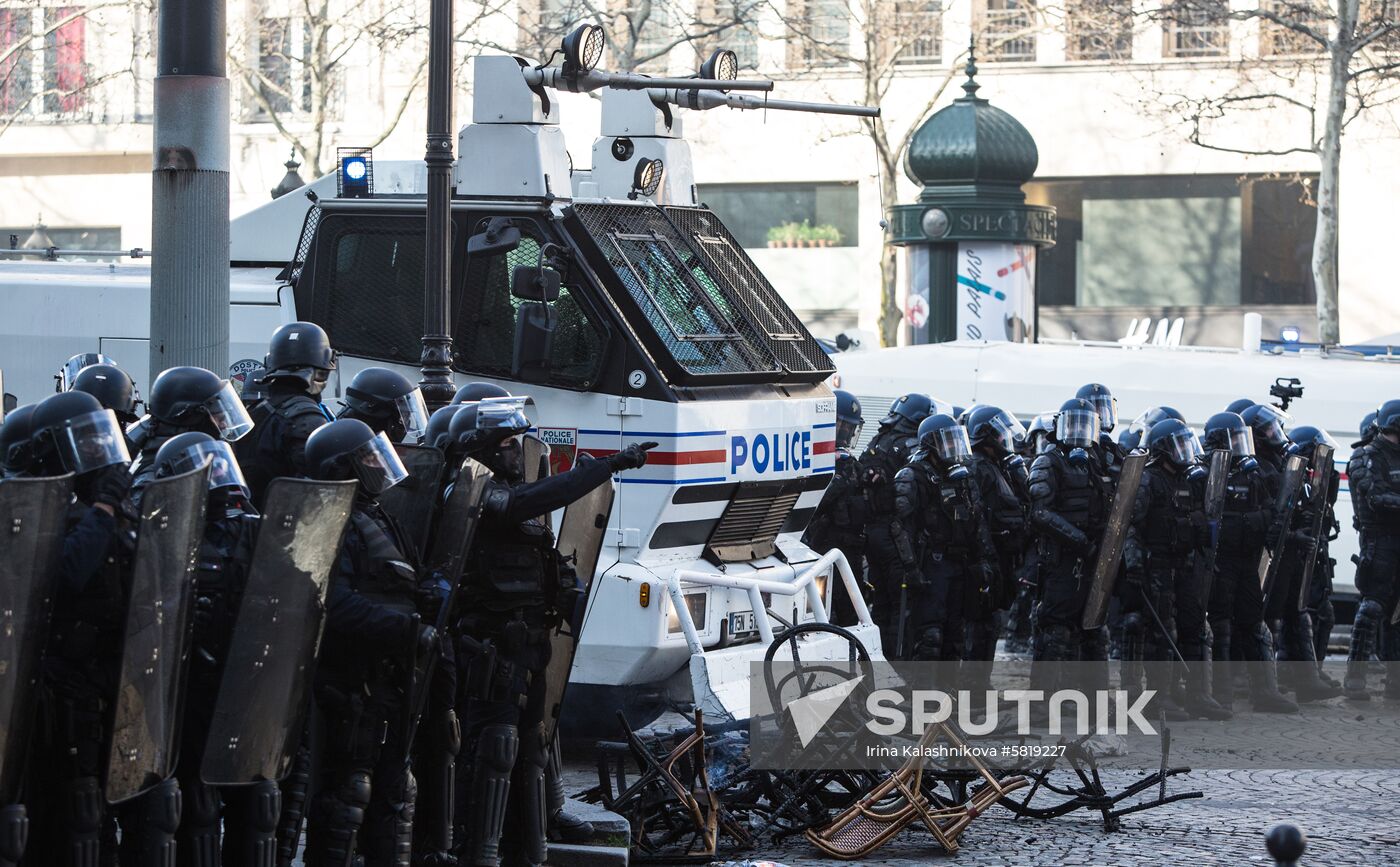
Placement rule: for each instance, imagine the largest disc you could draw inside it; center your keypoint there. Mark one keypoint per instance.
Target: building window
(1373, 15)
(1099, 30)
(1178, 241)
(1006, 31)
(819, 33)
(731, 24)
(16, 70)
(283, 48)
(917, 31)
(1277, 40)
(45, 77)
(788, 215)
(1198, 28)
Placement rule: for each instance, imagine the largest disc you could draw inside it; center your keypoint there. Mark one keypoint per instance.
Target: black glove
(428, 640)
(631, 458)
(111, 485)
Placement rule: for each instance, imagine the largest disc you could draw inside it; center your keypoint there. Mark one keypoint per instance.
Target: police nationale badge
(563, 447)
(244, 371)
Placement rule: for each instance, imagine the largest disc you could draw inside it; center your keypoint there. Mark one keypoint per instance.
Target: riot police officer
(1003, 486)
(113, 389)
(839, 521)
(69, 370)
(1070, 500)
(510, 603)
(1355, 469)
(1235, 609)
(385, 400)
(248, 815)
(1105, 405)
(71, 432)
(365, 790)
(1306, 632)
(1377, 495)
(1163, 602)
(14, 440)
(183, 400)
(475, 391)
(943, 522)
(299, 363)
(889, 560)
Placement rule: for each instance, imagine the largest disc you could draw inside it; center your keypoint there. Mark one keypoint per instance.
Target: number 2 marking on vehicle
(637, 378)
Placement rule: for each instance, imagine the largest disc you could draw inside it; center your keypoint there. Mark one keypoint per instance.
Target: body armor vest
(513, 565)
(1171, 501)
(1079, 494)
(887, 454)
(1363, 516)
(1245, 519)
(947, 522)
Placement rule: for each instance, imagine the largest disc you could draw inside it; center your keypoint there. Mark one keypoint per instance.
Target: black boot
(1298, 641)
(488, 795)
(1264, 694)
(565, 826)
(1363, 644)
(1222, 674)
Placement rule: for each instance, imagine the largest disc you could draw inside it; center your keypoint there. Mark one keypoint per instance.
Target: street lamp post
(435, 363)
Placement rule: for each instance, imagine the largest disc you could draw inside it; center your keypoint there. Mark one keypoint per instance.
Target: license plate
(742, 623)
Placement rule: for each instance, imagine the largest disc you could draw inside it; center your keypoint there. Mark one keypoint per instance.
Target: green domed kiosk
(970, 239)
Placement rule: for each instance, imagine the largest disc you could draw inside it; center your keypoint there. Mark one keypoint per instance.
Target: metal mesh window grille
(371, 301)
(308, 235)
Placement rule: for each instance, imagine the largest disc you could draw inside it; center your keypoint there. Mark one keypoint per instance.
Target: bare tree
(641, 33)
(1323, 64)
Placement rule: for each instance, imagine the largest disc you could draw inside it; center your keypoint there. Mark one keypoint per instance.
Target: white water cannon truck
(621, 304)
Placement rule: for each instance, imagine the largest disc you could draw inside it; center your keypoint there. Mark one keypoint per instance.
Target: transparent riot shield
(155, 649)
(535, 455)
(1120, 515)
(32, 521)
(452, 538)
(1320, 476)
(266, 683)
(1294, 471)
(581, 535)
(413, 502)
(1214, 508)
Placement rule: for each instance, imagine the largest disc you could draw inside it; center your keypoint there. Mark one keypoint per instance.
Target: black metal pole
(436, 361)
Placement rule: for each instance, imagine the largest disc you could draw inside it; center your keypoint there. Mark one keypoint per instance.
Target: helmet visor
(377, 465)
(1181, 446)
(1008, 431)
(950, 444)
(413, 413)
(224, 471)
(1240, 442)
(228, 414)
(847, 432)
(1077, 428)
(1269, 424)
(1107, 409)
(502, 414)
(73, 366)
(92, 441)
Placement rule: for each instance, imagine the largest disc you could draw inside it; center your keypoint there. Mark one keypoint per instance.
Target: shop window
(824, 214)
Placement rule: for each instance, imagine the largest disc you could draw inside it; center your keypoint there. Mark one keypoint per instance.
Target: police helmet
(72, 432)
(966, 413)
(1149, 418)
(1303, 438)
(849, 421)
(190, 450)
(1388, 416)
(14, 439)
(1268, 424)
(1173, 440)
(474, 391)
(1227, 430)
(940, 435)
(995, 427)
(1239, 406)
(1368, 430)
(1077, 424)
(959, 413)
(439, 422)
(907, 411)
(386, 400)
(190, 397)
(68, 373)
(348, 449)
(1129, 438)
(253, 390)
(1103, 402)
(490, 431)
(299, 350)
(112, 388)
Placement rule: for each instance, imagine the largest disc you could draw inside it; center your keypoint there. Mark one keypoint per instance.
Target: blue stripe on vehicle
(654, 433)
(627, 481)
(822, 426)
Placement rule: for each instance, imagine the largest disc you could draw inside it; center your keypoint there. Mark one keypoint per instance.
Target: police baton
(1162, 628)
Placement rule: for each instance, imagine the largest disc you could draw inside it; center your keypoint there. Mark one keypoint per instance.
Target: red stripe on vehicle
(672, 459)
(824, 447)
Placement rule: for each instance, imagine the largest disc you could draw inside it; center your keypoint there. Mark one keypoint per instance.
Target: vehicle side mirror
(535, 323)
(499, 236)
(533, 283)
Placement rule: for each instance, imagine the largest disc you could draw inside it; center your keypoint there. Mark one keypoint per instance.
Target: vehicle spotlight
(356, 173)
(646, 180)
(583, 48)
(723, 65)
(1290, 334)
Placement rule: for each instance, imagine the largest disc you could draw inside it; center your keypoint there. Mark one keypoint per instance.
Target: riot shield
(1284, 504)
(413, 502)
(535, 456)
(155, 650)
(34, 510)
(1111, 547)
(1320, 474)
(1215, 510)
(266, 682)
(581, 534)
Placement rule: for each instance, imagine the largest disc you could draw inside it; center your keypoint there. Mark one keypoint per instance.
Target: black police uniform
(839, 522)
(1003, 488)
(1377, 495)
(365, 788)
(886, 454)
(941, 514)
(276, 447)
(509, 593)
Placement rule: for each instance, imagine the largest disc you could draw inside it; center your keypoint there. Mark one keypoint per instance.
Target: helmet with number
(300, 350)
(941, 437)
(1149, 418)
(189, 451)
(1303, 438)
(68, 373)
(474, 391)
(490, 431)
(72, 432)
(849, 421)
(1227, 430)
(385, 400)
(907, 411)
(1103, 403)
(1388, 417)
(112, 388)
(1077, 424)
(996, 428)
(1268, 424)
(196, 399)
(14, 439)
(1239, 406)
(1173, 440)
(348, 449)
